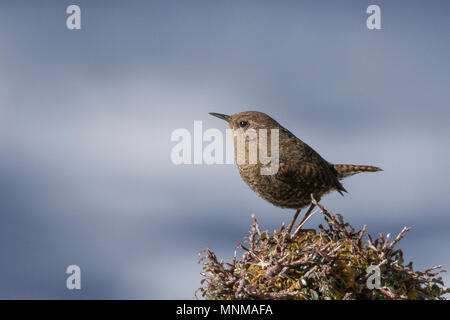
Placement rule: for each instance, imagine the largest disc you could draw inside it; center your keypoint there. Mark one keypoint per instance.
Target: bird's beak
(220, 116)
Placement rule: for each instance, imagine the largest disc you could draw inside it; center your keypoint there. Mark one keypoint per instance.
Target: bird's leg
(305, 217)
(293, 221)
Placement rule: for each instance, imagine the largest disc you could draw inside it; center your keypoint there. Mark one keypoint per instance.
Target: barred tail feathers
(346, 170)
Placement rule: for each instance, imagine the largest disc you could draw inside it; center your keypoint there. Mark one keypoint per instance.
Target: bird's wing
(312, 176)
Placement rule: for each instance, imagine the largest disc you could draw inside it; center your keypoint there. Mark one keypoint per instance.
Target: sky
(86, 117)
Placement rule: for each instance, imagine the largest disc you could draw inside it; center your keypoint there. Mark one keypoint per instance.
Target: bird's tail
(346, 170)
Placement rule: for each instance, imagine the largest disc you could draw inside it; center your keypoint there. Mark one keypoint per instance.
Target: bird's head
(248, 120)
(248, 126)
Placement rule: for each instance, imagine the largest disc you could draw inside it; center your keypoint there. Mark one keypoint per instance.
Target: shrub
(330, 263)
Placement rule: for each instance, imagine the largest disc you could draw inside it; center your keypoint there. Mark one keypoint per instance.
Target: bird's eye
(243, 124)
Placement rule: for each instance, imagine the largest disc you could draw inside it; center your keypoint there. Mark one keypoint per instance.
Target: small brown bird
(302, 172)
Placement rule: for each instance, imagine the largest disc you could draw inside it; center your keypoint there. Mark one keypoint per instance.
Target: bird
(302, 173)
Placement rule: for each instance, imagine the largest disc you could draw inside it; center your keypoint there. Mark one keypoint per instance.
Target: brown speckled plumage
(302, 171)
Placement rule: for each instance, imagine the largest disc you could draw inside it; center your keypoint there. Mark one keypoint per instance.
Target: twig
(399, 237)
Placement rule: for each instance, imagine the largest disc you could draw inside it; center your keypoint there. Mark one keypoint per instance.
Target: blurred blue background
(86, 118)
